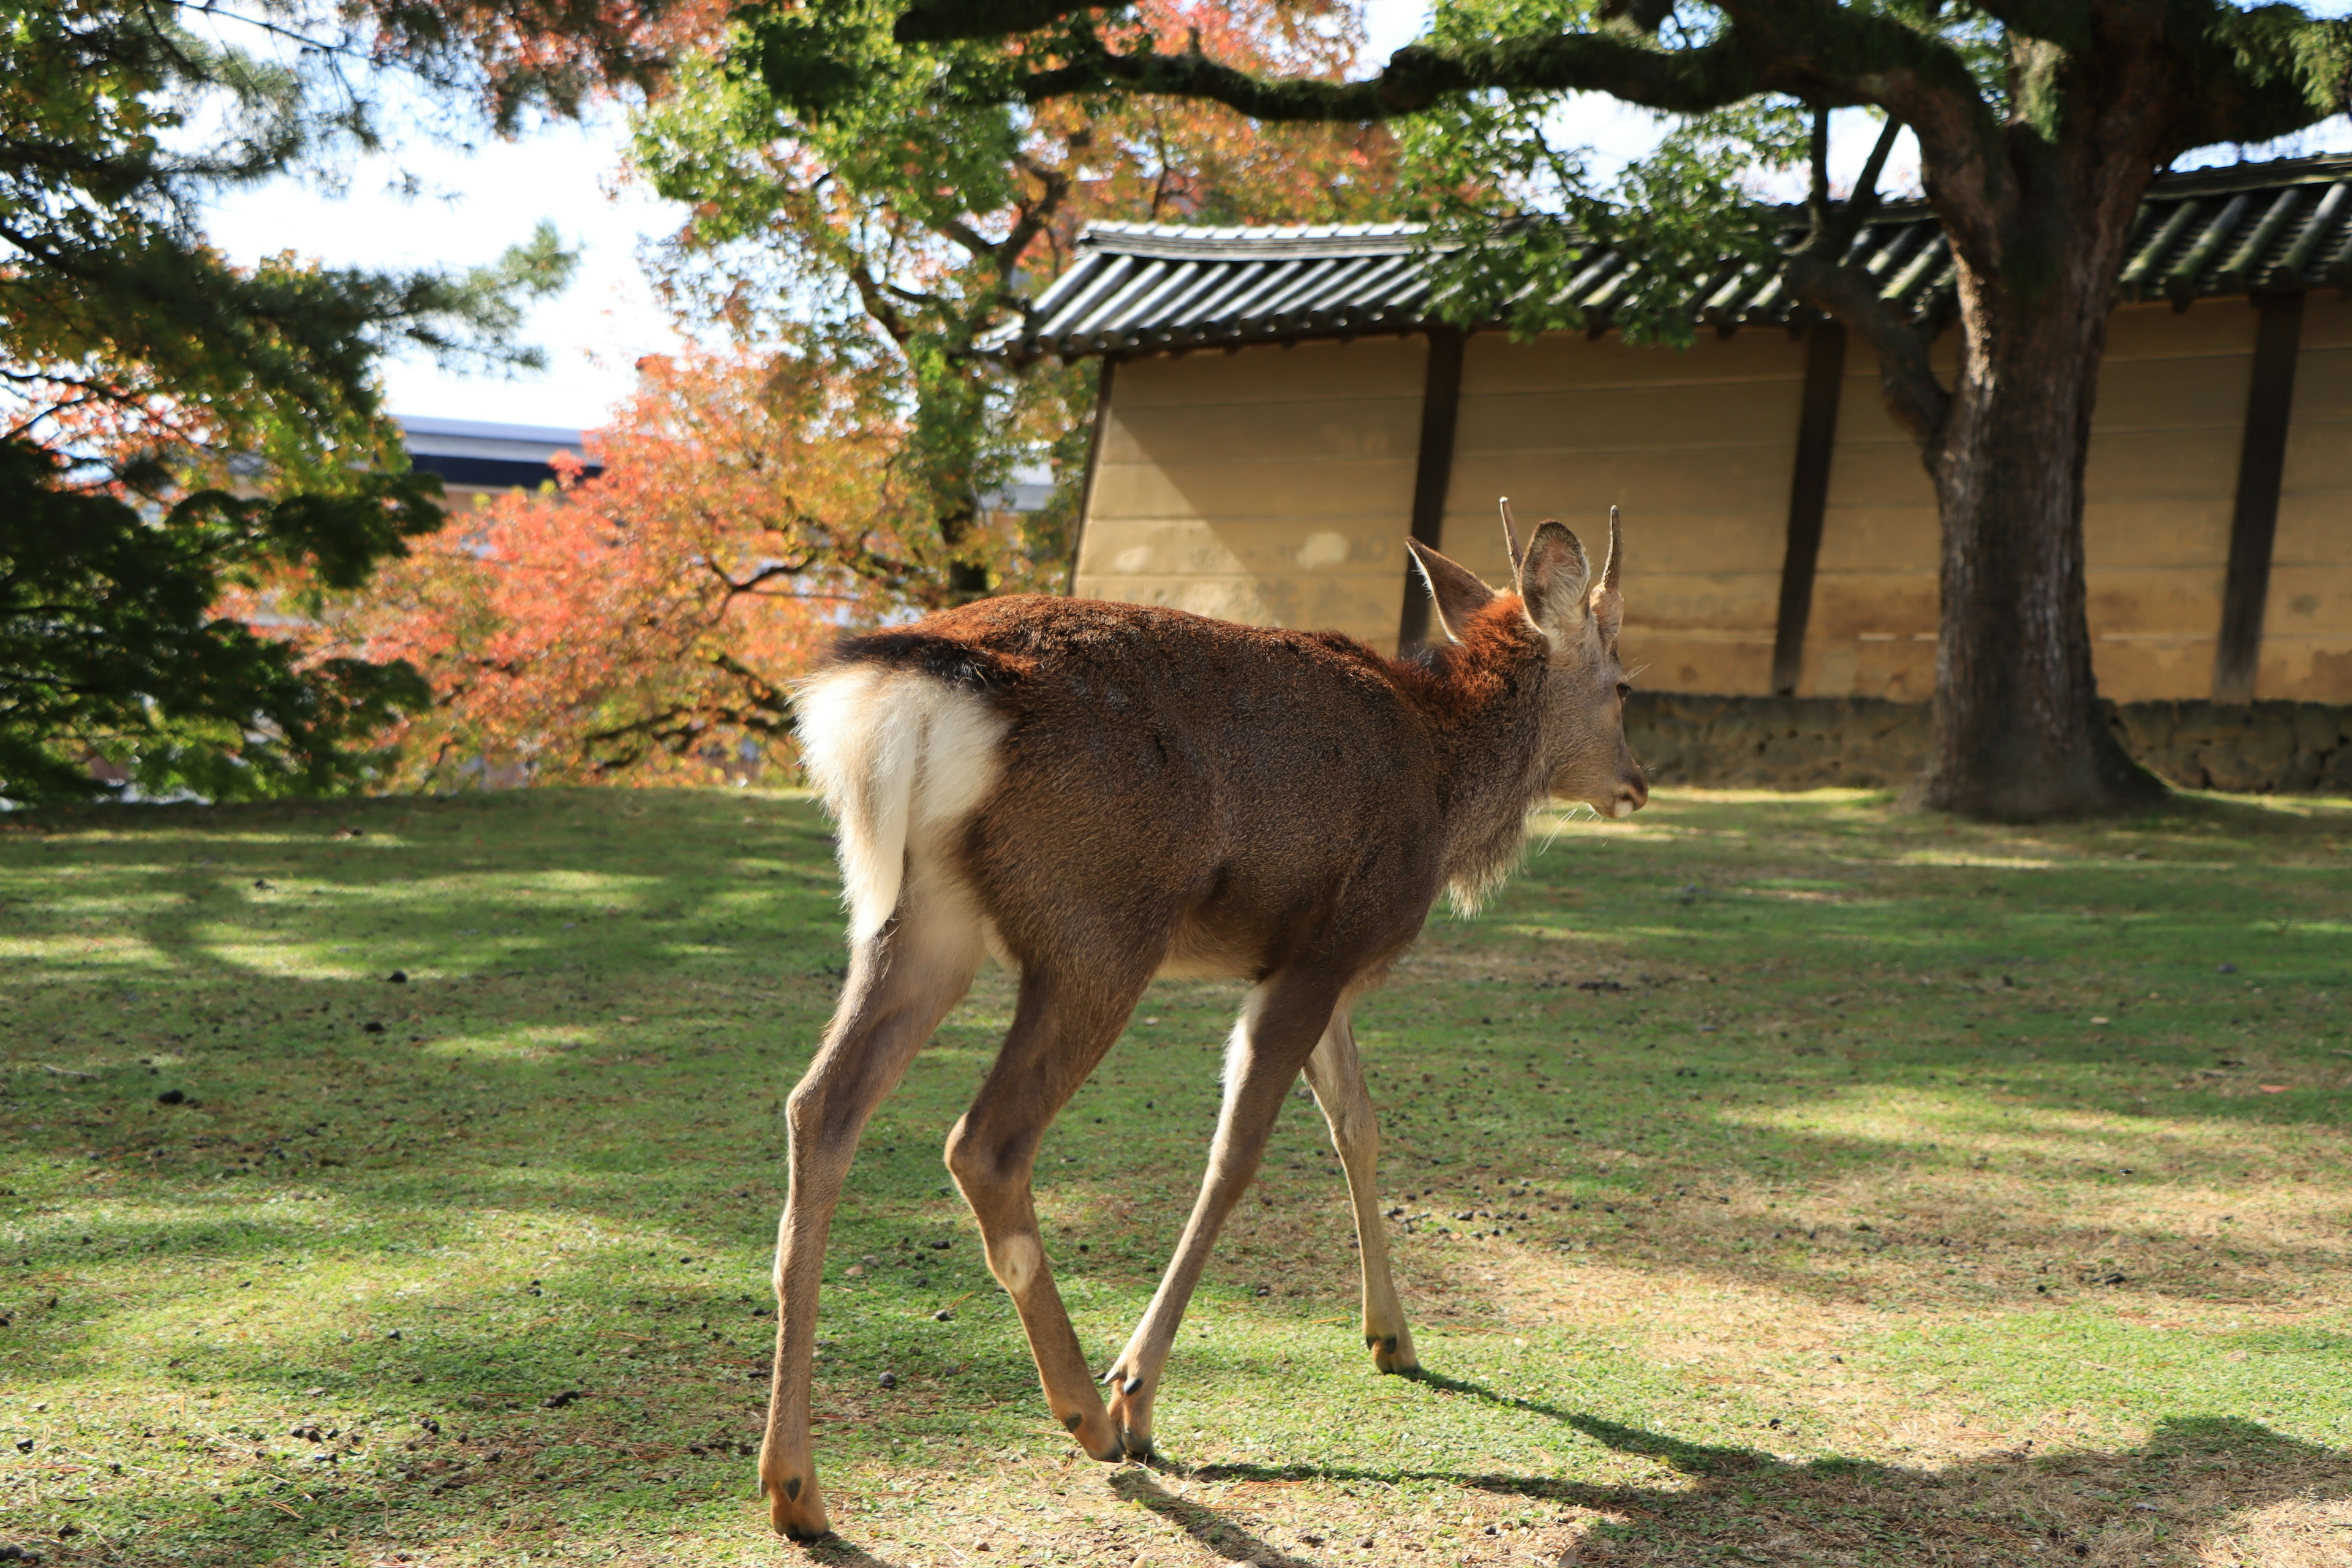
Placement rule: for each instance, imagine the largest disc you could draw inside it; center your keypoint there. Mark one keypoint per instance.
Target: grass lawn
(1775, 1180)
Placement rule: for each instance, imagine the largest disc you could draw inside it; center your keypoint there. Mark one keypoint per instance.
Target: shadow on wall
(1811, 742)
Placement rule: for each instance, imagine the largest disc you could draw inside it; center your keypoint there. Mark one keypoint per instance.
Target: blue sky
(475, 204)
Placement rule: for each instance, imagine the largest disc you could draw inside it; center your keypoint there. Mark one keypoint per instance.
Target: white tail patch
(900, 758)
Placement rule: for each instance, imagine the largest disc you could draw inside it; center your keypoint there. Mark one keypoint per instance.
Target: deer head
(1580, 698)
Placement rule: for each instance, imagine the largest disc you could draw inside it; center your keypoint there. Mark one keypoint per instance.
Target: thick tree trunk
(2019, 731)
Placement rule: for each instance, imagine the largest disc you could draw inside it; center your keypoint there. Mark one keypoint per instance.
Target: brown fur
(1174, 794)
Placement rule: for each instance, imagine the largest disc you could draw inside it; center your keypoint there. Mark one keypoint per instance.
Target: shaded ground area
(1774, 1180)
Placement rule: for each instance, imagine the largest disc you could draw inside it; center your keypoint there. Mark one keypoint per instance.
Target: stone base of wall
(1813, 742)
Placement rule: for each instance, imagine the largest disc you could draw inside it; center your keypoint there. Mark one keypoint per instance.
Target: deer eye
(1623, 691)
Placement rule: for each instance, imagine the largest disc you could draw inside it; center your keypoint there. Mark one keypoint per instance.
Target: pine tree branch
(945, 21)
(2262, 74)
(1821, 51)
(1816, 49)
(2067, 23)
(1416, 78)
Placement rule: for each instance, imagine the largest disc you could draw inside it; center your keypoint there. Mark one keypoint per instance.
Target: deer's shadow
(2157, 1506)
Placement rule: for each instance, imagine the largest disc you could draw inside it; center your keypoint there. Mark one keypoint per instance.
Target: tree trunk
(2020, 731)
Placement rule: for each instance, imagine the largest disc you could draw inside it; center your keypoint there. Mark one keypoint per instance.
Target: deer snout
(1633, 791)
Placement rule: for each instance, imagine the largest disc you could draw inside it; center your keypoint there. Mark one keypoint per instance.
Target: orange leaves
(1173, 161)
(647, 620)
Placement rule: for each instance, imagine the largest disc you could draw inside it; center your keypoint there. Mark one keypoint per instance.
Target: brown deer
(1097, 794)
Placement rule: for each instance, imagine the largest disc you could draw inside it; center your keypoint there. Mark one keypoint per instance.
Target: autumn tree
(847, 458)
(2039, 124)
(642, 622)
(894, 231)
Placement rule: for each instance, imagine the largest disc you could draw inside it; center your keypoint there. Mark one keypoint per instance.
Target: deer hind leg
(1060, 1030)
(901, 983)
(1337, 1077)
(1279, 1027)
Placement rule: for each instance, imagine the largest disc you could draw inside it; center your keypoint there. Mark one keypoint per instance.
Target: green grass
(1782, 1181)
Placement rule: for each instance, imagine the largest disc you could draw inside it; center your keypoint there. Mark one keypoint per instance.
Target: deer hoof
(1097, 1435)
(795, 1507)
(1131, 1412)
(1393, 1353)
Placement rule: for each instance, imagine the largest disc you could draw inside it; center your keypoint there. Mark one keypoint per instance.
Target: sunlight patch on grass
(1807, 799)
(1962, 858)
(1543, 934)
(528, 1043)
(116, 951)
(2048, 1135)
(2300, 1532)
(289, 957)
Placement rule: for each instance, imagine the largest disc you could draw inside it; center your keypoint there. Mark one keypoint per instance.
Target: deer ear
(1455, 589)
(1553, 578)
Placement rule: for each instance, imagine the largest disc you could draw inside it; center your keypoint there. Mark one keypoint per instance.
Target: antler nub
(1510, 535)
(1609, 568)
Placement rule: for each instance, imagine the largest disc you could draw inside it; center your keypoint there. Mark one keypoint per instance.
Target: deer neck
(1483, 698)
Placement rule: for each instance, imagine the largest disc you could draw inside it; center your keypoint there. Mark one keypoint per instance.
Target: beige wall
(2161, 479)
(1275, 486)
(1696, 445)
(1272, 486)
(1872, 628)
(2159, 489)
(2307, 622)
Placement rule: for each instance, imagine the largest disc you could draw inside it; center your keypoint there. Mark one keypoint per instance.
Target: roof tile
(2280, 225)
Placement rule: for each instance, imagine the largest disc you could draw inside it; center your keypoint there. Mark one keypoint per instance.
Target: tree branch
(1818, 272)
(765, 574)
(1691, 80)
(945, 21)
(1034, 219)
(981, 247)
(2265, 73)
(877, 304)
(2067, 23)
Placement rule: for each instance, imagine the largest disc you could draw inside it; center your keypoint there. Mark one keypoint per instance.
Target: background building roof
(2278, 227)
(476, 452)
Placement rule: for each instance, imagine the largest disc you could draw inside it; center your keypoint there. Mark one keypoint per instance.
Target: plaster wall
(1273, 486)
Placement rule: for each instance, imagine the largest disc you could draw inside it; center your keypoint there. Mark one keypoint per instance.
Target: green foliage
(116, 650)
(176, 426)
(2027, 113)
(1515, 211)
(886, 209)
(840, 216)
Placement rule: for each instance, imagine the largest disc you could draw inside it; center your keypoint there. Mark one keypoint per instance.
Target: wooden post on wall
(1441, 407)
(2261, 462)
(1094, 460)
(1809, 494)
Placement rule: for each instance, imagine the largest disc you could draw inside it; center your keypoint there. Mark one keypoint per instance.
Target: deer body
(1099, 792)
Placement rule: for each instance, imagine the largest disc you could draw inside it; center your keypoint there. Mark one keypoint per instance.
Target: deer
(1096, 794)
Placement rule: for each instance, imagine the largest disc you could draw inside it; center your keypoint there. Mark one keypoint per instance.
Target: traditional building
(477, 460)
(1280, 412)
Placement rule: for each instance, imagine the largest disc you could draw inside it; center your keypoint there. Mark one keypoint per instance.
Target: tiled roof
(2275, 227)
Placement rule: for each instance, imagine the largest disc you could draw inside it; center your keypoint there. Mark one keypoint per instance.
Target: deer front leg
(901, 983)
(1336, 1077)
(1277, 1030)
